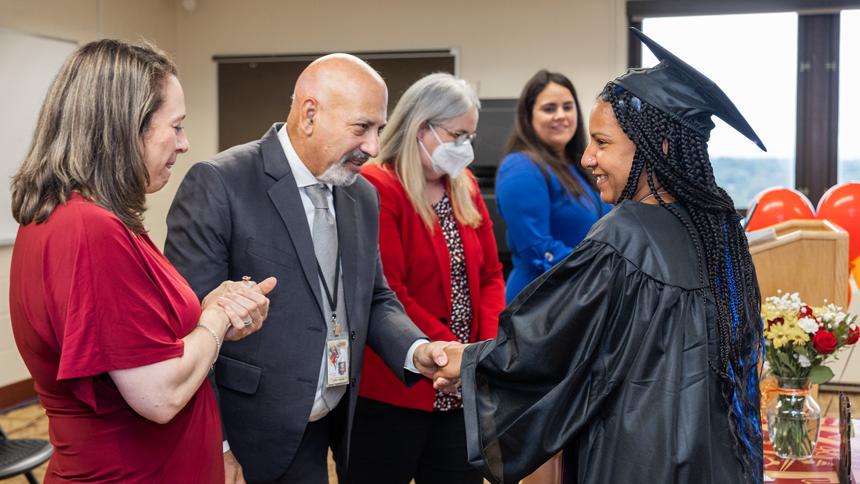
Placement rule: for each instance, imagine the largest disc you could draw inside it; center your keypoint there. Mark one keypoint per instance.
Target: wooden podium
(809, 257)
(805, 256)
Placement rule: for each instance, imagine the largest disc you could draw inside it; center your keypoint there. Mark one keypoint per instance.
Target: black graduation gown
(606, 356)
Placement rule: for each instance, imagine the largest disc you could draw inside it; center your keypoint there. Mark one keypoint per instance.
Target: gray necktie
(324, 233)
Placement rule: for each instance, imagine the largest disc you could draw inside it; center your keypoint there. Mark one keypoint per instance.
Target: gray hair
(433, 99)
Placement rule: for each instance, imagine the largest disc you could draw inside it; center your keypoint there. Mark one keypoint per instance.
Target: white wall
(500, 45)
(81, 21)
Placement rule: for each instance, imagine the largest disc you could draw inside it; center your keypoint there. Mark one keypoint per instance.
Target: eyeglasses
(459, 138)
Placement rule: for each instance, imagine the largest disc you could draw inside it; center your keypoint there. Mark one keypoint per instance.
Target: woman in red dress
(116, 341)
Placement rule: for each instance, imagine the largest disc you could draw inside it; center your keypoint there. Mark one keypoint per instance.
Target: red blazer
(418, 268)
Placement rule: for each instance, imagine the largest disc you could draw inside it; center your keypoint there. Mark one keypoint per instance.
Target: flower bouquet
(799, 340)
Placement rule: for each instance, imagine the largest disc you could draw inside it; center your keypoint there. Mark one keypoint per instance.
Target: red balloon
(774, 205)
(841, 205)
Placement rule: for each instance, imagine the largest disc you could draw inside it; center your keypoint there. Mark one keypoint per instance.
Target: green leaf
(820, 374)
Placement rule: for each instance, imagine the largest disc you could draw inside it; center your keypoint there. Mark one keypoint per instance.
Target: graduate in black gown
(637, 355)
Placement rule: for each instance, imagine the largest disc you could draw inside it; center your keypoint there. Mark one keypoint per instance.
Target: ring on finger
(248, 321)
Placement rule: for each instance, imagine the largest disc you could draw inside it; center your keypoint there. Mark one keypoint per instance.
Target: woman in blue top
(546, 199)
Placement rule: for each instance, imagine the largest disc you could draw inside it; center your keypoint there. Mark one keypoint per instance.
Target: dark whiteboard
(255, 91)
(28, 65)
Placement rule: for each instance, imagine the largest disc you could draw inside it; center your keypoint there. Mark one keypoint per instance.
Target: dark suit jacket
(241, 214)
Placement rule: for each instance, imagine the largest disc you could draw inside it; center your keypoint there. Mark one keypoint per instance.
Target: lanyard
(331, 297)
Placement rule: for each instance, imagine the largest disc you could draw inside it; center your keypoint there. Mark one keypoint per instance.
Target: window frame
(817, 115)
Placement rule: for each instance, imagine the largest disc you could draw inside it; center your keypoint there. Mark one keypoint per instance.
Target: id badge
(337, 362)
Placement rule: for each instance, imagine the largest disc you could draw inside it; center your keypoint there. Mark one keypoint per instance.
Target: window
(753, 58)
(849, 96)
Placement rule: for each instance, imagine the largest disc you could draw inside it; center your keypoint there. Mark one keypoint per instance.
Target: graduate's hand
(447, 378)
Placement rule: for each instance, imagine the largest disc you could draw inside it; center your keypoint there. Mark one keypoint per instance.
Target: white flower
(785, 302)
(795, 301)
(809, 325)
(804, 361)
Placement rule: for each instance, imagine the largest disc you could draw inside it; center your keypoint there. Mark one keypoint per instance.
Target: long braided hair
(685, 171)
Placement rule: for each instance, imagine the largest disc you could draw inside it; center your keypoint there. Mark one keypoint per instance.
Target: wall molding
(16, 393)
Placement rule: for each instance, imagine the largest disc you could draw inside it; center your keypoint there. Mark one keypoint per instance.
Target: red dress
(86, 297)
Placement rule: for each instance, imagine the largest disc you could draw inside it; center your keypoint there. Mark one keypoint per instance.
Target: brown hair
(89, 137)
(524, 138)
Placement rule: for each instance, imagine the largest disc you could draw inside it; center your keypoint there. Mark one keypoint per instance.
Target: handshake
(440, 362)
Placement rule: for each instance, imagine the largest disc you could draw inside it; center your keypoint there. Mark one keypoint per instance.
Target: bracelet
(217, 341)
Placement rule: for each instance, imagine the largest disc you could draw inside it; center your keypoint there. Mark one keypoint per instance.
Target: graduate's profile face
(609, 154)
(164, 138)
(554, 116)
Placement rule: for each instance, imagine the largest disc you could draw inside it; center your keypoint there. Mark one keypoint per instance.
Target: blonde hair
(433, 99)
(89, 137)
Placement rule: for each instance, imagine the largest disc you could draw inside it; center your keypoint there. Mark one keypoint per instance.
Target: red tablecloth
(819, 469)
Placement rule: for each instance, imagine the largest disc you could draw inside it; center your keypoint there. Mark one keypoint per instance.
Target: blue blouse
(544, 222)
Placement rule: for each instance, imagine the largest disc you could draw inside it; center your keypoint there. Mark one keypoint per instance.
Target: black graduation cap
(676, 88)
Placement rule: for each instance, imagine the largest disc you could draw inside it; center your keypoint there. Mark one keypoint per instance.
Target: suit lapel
(285, 196)
(347, 239)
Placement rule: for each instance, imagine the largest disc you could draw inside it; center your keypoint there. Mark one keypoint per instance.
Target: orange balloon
(853, 273)
(774, 205)
(841, 205)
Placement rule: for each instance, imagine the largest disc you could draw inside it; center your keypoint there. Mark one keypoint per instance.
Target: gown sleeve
(564, 345)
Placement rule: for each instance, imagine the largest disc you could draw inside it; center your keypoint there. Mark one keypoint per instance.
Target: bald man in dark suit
(292, 205)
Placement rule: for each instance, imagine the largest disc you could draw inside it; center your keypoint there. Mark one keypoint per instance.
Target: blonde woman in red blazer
(439, 255)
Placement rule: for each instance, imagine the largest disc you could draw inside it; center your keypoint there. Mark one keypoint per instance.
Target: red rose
(853, 335)
(824, 342)
(805, 312)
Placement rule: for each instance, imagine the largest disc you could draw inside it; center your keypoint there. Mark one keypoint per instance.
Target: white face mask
(449, 157)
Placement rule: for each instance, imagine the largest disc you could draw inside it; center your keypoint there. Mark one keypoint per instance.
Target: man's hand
(232, 469)
(429, 357)
(434, 361)
(242, 304)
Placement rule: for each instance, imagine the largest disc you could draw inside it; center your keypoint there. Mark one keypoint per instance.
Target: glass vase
(793, 418)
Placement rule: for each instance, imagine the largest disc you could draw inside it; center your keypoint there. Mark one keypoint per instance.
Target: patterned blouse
(461, 301)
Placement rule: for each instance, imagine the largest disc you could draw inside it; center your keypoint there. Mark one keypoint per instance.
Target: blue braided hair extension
(745, 398)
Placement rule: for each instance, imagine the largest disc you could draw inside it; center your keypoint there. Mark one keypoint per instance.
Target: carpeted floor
(29, 421)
